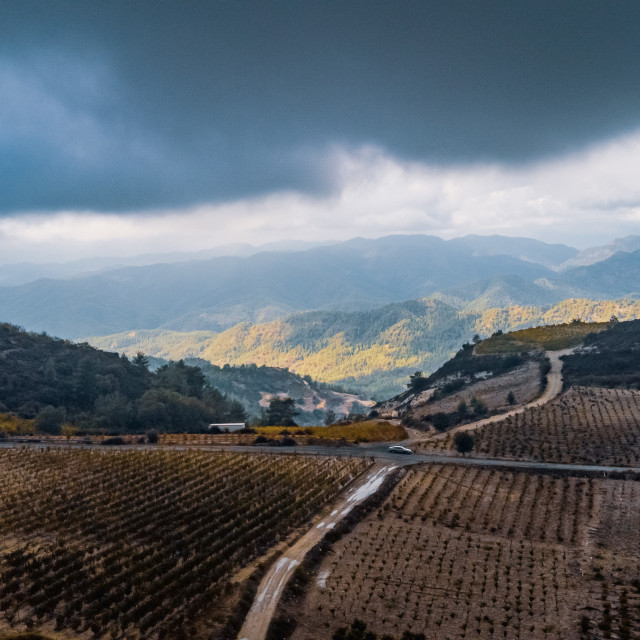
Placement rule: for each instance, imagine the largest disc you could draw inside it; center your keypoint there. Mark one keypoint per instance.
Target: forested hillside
(55, 381)
(371, 351)
(607, 359)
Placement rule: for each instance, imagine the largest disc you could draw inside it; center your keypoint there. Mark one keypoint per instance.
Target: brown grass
(366, 431)
(14, 425)
(524, 382)
(546, 338)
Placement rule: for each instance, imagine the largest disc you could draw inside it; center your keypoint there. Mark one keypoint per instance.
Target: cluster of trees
(282, 412)
(56, 381)
(248, 383)
(475, 410)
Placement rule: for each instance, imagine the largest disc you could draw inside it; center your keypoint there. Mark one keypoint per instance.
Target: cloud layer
(581, 198)
(134, 107)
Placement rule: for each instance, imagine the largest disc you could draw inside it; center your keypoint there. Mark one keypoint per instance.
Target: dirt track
(552, 390)
(259, 617)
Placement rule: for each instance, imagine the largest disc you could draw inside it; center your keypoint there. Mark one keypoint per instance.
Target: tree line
(54, 382)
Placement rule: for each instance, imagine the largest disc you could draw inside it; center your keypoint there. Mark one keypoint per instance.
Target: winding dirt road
(552, 390)
(259, 617)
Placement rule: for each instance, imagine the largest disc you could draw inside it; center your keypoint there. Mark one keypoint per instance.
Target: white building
(227, 426)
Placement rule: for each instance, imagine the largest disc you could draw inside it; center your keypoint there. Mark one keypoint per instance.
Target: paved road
(264, 606)
(552, 390)
(378, 451)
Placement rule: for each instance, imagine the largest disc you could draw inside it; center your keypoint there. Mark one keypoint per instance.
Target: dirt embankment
(523, 382)
(552, 390)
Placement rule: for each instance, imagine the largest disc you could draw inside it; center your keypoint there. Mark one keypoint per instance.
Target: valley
(372, 352)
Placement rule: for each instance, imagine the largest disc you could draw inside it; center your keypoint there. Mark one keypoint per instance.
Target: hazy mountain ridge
(592, 255)
(474, 272)
(16, 274)
(217, 294)
(552, 256)
(616, 276)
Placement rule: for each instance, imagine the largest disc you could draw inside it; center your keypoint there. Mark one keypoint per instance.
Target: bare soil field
(145, 544)
(587, 425)
(524, 382)
(473, 553)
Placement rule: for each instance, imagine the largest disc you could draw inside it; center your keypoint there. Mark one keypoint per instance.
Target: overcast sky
(135, 126)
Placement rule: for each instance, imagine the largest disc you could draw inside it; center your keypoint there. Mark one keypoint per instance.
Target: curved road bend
(264, 606)
(552, 390)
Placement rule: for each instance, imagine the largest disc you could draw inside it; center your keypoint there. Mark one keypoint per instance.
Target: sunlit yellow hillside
(373, 351)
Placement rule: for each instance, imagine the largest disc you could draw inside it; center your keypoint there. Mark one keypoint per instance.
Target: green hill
(372, 351)
(609, 358)
(54, 381)
(547, 338)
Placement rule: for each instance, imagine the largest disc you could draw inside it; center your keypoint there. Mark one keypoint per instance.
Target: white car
(396, 448)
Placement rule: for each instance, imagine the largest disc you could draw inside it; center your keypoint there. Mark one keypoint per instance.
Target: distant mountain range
(553, 256)
(25, 272)
(629, 244)
(218, 293)
(361, 313)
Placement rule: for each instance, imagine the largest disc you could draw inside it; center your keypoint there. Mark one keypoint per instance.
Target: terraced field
(471, 553)
(145, 544)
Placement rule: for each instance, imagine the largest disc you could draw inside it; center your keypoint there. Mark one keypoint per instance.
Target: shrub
(246, 430)
(440, 421)
(478, 406)
(463, 442)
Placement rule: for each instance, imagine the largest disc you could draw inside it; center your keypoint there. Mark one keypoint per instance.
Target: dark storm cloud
(137, 105)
